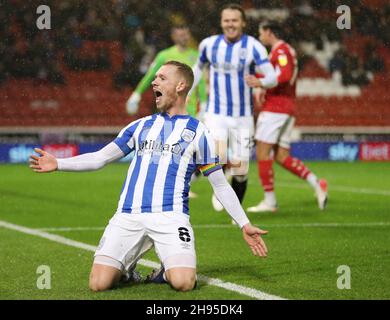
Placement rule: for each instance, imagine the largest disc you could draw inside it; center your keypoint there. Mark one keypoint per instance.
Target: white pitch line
(331, 188)
(303, 225)
(250, 292)
(330, 225)
(223, 226)
(71, 229)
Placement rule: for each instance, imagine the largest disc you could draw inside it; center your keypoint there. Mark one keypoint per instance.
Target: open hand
(252, 236)
(252, 81)
(259, 95)
(132, 103)
(45, 163)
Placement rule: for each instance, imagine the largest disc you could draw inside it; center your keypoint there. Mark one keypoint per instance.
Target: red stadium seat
(89, 99)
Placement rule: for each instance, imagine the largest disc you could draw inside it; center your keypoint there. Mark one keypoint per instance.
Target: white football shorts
(128, 236)
(274, 128)
(237, 132)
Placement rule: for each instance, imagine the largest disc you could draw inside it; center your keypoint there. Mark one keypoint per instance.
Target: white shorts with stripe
(236, 132)
(274, 128)
(128, 236)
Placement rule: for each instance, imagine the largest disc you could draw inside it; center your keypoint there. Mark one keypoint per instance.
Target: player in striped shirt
(153, 205)
(231, 57)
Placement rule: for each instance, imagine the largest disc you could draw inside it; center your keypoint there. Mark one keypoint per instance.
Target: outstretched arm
(228, 198)
(46, 162)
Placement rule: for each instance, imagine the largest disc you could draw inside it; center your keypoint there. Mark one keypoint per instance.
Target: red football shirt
(281, 99)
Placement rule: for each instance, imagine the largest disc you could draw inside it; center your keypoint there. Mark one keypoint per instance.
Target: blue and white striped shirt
(167, 151)
(229, 63)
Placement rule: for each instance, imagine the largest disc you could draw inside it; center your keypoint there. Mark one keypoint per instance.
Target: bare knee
(263, 151)
(97, 285)
(103, 277)
(183, 284)
(281, 155)
(181, 281)
(280, 158)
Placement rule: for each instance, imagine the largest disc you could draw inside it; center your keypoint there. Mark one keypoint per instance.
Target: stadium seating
(89, 99)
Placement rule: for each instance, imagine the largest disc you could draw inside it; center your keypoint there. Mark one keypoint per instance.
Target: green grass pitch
(306, 246)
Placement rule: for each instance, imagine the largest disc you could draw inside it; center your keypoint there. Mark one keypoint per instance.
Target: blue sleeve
(260, 54)
(203, 52)
(207, 159)
(125, 140)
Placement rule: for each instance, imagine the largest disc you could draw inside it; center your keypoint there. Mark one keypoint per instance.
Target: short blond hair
(185, 70)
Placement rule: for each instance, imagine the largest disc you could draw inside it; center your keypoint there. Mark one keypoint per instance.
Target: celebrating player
(229, 112)
(153, 205)
(180, 51)
(276, 120)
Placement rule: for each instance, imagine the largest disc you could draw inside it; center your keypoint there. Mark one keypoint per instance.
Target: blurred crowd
(143, 28)
(355, 69)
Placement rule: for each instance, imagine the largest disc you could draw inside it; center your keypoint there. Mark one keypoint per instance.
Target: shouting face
(166, 86)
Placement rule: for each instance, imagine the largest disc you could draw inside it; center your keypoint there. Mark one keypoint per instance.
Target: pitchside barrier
(314, 151)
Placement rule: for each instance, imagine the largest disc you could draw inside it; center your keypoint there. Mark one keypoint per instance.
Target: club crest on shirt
(282, 59)
(188, 135)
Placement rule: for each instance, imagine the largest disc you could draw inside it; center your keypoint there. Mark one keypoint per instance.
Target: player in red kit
(276, 120)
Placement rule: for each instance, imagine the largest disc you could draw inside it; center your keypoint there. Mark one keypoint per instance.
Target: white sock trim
(312, 180)
(270, 198)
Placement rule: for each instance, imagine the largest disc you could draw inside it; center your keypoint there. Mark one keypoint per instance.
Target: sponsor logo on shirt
(228, 67)
(157, 147)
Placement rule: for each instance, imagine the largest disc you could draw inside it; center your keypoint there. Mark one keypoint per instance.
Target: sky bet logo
(343, 152)
(152, 146)
(20, 153)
